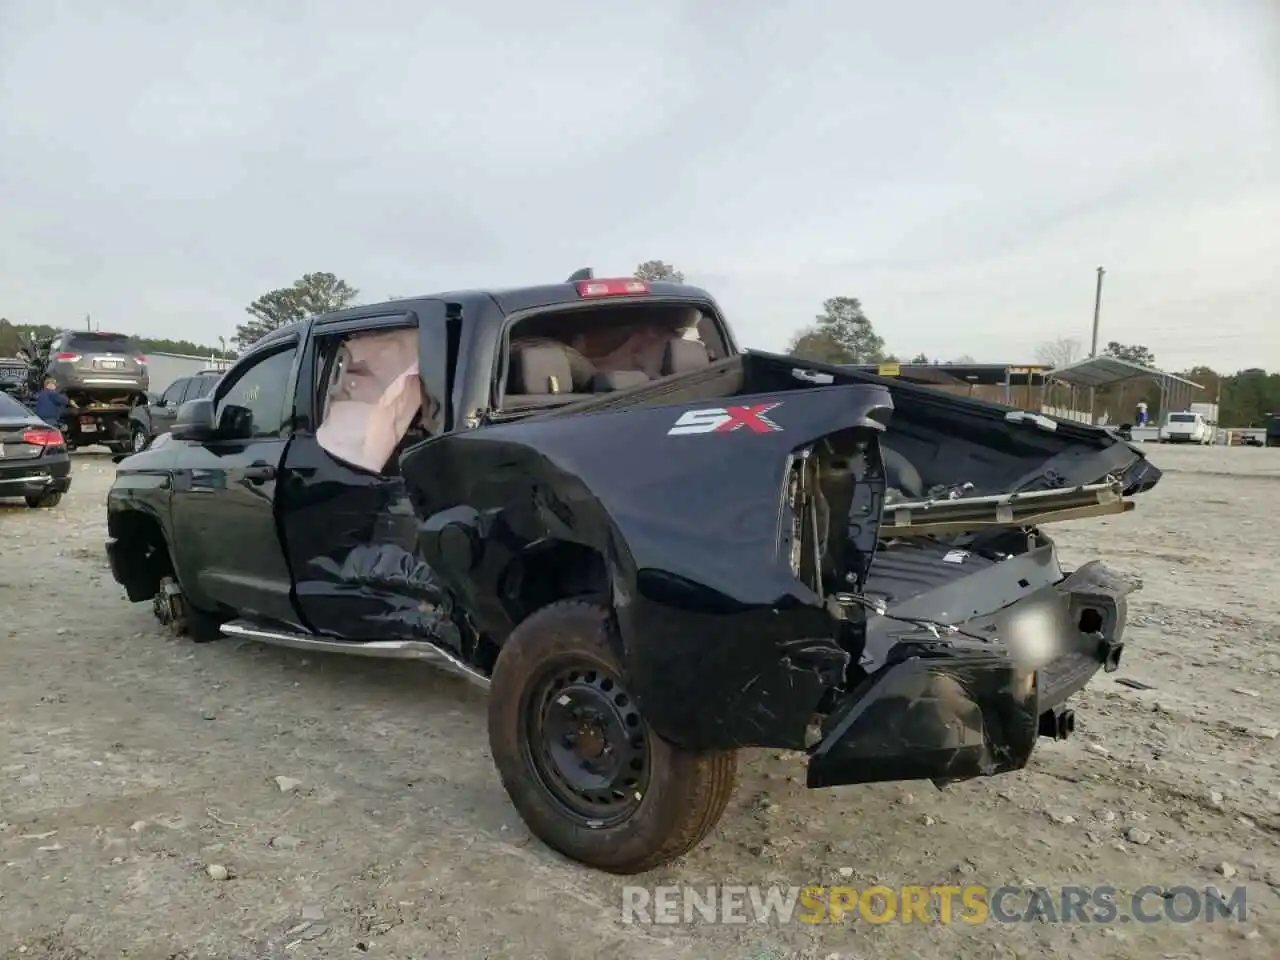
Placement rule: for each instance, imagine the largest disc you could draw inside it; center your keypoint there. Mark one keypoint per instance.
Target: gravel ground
(142, 812)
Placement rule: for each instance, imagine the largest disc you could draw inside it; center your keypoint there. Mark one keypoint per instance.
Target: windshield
(1182, 418)
(11, 409)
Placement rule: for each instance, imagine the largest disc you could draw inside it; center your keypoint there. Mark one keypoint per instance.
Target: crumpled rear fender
(722, 645)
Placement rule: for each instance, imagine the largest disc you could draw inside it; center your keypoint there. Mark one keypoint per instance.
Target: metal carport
(1097, 373)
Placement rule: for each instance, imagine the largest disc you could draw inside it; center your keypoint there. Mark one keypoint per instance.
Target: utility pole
(1097, 312)
(87, 326)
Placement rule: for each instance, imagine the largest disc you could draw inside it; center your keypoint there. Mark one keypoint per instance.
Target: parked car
(101, 363)
(650, 547)
(1272, 424)
(156, 416)
(13, 375)
(34, 463)
(1187, 427)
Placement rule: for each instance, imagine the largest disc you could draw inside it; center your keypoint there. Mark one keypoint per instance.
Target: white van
(1186, 427)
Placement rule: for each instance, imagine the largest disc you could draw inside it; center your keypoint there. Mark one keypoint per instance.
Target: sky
(961, 168)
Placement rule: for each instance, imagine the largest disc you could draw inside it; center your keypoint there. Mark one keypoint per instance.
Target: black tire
(138, 440)
(681, 794)
(44, 501)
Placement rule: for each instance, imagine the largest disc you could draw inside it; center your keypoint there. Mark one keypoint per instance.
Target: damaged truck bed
(652, 548)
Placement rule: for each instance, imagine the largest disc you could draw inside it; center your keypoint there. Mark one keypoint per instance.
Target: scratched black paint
(681, 535)
(722, 644)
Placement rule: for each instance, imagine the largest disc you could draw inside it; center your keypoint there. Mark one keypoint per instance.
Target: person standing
(51, 403)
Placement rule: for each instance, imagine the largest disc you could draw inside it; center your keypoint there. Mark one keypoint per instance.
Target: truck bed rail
(924, 518)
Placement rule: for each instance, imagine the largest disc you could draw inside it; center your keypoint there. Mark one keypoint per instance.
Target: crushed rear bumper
(941, 719)
(961, 710)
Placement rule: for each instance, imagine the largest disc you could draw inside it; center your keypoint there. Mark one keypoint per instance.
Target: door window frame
(182, 382)
(318, 368)
(313, 365)
(250, 362)
(196, 385)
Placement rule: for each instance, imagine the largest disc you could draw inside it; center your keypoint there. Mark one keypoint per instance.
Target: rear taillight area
(140, 359)
(43, 437)
(67, 356)
(803, 504)
(833, 497)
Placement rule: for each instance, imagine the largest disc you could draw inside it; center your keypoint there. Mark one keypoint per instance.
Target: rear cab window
(566, 352)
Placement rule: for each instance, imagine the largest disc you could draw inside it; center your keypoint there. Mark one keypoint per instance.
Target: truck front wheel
(175, 612)
(580, 764)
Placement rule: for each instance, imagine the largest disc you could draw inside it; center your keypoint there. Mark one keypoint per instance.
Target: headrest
(542, 369)
(618, 380)
(682, 356)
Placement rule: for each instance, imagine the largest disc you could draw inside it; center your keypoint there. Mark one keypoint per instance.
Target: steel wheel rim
(586, 743)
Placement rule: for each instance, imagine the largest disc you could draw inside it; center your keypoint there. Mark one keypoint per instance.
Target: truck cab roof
(519, 299)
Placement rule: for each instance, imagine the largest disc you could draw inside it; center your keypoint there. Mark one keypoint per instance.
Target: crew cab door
(226, 540)
(350, 532)
(164, 413)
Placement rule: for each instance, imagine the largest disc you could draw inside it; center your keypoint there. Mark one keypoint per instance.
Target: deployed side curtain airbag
(374, 399)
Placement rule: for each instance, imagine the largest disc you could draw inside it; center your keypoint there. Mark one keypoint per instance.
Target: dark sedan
(34, 463)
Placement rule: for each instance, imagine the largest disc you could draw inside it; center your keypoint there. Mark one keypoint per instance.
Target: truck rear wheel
(580, 764)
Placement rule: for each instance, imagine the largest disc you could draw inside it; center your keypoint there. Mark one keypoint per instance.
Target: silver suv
(80, 360)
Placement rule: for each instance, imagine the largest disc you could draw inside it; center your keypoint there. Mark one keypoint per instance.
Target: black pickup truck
(652, 548)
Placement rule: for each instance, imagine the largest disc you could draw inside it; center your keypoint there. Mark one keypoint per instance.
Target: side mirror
(235, 423)
(195, 421)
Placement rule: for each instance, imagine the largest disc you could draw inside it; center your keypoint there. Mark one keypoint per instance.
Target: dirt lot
(131, 763)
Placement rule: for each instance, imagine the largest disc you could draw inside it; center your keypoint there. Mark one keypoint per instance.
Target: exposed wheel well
(143, 555)
(557, 570)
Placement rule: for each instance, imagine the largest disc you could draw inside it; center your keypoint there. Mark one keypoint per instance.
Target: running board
(380, 649)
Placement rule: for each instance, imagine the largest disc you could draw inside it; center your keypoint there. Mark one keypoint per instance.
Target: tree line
(841, 334)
